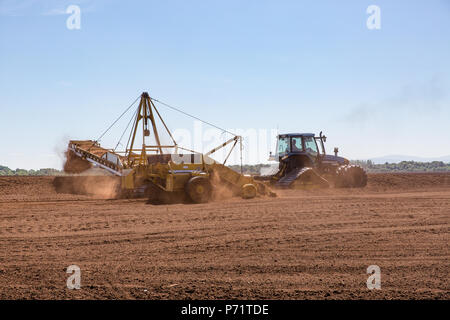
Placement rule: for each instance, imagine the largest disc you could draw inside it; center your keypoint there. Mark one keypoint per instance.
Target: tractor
(303, 163)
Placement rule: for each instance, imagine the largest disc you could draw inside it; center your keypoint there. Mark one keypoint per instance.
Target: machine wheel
(350, 176)
(199, 189)
(248, 191)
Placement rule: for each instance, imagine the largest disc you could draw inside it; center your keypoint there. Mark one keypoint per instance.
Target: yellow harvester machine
(162, 175)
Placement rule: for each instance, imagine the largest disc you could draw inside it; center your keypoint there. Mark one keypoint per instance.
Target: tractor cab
(305, 149)
(297, 150)
(291, 144)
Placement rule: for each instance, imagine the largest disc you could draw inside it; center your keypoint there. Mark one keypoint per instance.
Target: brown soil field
(299, 245)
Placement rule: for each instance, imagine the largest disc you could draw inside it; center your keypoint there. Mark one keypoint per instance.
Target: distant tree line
(404, 166)
(5, 171)
(249, 168)
(369, 166)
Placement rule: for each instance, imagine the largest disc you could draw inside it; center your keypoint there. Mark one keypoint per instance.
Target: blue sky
(293, 65)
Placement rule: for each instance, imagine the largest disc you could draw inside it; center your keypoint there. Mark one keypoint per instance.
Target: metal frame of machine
(159, 175)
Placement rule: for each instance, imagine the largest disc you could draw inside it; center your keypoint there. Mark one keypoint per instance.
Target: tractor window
(283, 145)
(297, 144)
(310, 145)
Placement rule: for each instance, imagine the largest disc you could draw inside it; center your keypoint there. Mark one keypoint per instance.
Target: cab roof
(296, 134)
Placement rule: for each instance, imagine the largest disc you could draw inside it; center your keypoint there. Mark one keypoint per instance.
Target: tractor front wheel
(199, 189)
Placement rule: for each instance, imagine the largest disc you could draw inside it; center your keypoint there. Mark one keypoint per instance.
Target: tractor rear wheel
(199, 189)
(350, 176)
